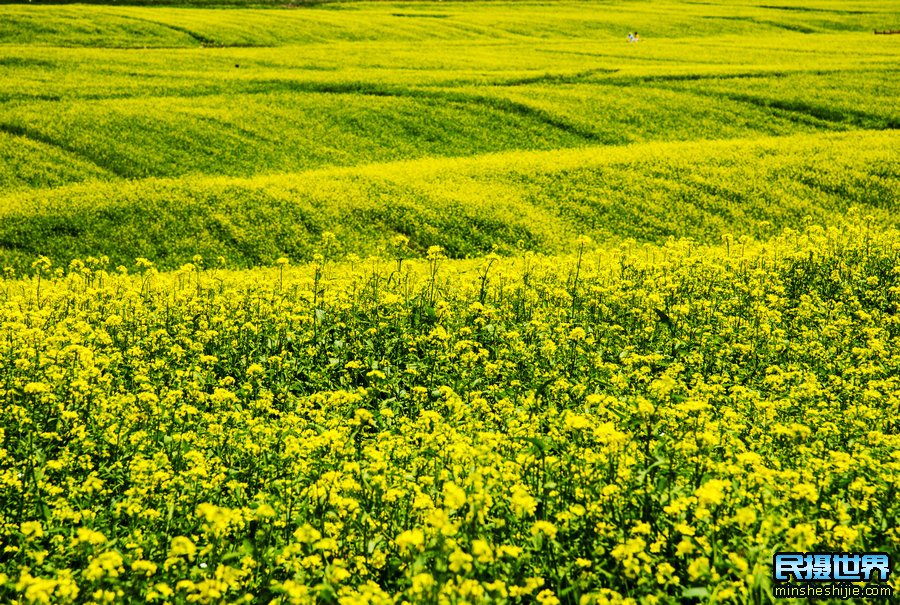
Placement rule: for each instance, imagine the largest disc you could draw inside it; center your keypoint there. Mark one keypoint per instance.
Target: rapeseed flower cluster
(619, 426)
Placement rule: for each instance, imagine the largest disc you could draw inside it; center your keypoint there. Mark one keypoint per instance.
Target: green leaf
(695, 592)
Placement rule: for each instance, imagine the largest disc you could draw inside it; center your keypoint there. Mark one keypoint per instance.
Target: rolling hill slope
(149, 131)
(537, 200)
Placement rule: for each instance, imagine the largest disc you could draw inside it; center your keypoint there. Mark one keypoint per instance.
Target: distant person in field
(637, 38)
(630, 37)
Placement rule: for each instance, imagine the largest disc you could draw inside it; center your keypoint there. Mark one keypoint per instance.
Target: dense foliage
(571, 320)
(649, 423)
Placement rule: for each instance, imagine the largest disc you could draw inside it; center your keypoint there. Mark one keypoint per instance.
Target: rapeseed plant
(305, 434)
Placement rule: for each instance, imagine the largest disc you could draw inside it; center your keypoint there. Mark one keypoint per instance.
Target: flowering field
(645, 423)
(445, 303)
(165, 132)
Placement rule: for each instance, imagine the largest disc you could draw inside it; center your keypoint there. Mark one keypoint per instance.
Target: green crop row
(504, 202)
(139, 27)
